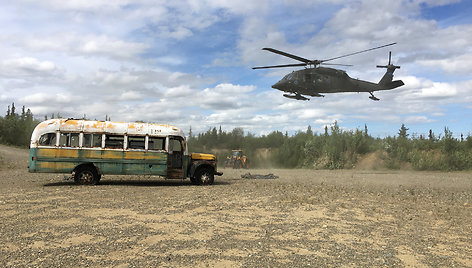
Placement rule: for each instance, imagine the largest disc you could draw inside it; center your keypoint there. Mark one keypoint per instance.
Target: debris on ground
(257, 176)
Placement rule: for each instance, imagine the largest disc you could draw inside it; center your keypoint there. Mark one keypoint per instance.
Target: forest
(340, 149)
(16, 128)
(335, 148)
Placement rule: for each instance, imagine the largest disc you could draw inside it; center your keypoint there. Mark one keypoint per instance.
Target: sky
(188, 63)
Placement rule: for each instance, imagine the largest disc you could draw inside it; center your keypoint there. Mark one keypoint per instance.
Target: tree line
(16, 128)
(335, 148)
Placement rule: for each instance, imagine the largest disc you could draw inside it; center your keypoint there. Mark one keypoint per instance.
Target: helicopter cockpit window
(289, 76)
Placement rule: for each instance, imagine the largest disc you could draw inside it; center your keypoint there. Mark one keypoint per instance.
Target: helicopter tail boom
(391, 85)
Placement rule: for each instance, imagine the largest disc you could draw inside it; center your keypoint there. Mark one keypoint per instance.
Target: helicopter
(315, 79)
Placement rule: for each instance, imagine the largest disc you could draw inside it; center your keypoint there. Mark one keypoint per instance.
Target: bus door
(175, 165)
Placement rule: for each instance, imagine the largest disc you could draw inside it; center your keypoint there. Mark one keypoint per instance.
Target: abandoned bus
(89, 149)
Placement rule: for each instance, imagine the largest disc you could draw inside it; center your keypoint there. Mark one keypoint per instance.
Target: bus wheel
(204, 176)
(86, 175)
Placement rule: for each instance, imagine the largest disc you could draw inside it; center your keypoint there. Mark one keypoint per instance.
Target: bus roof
(107, 127)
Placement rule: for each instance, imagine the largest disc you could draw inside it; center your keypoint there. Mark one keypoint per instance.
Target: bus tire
(86, 175)
(204, 176)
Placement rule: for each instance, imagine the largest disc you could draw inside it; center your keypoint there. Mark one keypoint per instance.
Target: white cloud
(130, 59)
(436, 2)
(27, 67)
(115, 79)
(78, 5)
(224, 97)
(437, 90)
(178, 33)
(103, 45)
(183, 91)
(460, 64)
(130, 96)
(308, 114)
(417, 120)
(47, 98)
(85, 45)
(361, 25)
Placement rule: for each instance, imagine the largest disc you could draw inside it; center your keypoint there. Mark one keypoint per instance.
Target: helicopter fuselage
(316, 80)
(312, 81)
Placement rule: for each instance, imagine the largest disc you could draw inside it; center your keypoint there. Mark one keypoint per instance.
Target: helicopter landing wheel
(372, 97)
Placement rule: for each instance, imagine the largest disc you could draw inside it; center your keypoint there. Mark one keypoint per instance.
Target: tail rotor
(390, 66)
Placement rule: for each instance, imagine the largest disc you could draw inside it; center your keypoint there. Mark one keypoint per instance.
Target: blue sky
(188, 63)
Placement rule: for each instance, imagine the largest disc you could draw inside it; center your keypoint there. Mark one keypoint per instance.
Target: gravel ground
(303, 218)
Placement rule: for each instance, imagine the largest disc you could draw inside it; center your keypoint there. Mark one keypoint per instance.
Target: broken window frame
(114, 142)
(132, 140)
(50, 137)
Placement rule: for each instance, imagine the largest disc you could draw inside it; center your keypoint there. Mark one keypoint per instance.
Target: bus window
(176, 145)
(92, 140)
(63, 139)
(156, 143)
(114, 141)
(69, 140)
(136, 142)
(48, 139)
(74, 140)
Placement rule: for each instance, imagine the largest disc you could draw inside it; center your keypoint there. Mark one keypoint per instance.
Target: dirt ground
(304, 218)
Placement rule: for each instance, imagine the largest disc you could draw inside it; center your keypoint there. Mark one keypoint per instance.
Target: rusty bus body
(89, 149)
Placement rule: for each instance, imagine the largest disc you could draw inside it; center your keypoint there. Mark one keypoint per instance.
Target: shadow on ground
(142, 183)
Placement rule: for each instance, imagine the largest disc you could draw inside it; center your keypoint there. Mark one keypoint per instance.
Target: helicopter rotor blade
(287, 55)
(279, 66)
(337, 64)
(350, 54)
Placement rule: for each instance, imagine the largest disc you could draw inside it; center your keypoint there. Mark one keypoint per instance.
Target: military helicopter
(315, 79)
